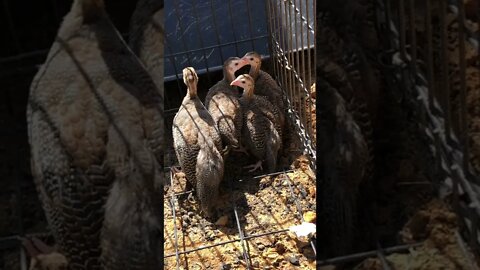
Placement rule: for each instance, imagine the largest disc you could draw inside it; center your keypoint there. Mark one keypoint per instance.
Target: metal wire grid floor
(242, 235)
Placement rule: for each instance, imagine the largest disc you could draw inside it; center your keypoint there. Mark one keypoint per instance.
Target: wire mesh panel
(435, 52)
(292, 29)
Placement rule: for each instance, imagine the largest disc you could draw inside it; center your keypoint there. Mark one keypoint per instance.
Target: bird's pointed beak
(235, 83)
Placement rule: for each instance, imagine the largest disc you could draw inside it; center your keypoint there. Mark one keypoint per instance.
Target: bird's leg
(241, 149)
(255, 166)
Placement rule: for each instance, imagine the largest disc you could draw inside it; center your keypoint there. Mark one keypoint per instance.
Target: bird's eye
(243, 81)
(236, 64)
(251, 59)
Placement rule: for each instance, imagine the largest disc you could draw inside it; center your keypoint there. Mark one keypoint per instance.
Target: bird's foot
(226, 150)
(241, 149)
(255, 166)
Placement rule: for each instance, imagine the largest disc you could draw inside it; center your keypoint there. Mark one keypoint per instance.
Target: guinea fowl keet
(94, 119)
(265, 85)
(261, 131)
(198, 145)
(222, 103)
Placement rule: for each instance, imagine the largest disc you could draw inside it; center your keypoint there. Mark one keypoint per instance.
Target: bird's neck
(248, 93)
(254, 71)
(192, 91)
(228, 76)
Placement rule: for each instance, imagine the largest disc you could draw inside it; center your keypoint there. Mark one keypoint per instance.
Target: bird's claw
(255, 166)
(241, 149)
(226, 150)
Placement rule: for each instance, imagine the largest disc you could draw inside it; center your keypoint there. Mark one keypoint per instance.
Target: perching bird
(94, 121)
(222, 103)
(198, 145)
(265, 85)
(261, 130)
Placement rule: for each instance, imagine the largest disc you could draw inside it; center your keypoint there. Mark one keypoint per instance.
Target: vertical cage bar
(388, 17)
(11, 26)
(172, 205)
(233, 26)
(271, 41)
(302, 68)
(429, 52)
(413, 37)
(217, 34)
(290, 51)
(194, 5)
(175, 68)
(309, 57)
(249, 12)
(444, 63)
(310, 101)
(296, 63)
(401, 19)
(177, 12)
(276, 42)
(463, 130)
(283, 41)
(242, 239)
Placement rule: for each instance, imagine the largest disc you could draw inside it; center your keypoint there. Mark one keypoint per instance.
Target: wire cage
(200, 35)
(203, 34)
(430, 63)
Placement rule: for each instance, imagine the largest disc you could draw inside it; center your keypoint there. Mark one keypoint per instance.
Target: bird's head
(232, 65)
(246, 82)
(190, 78)
(254, 60)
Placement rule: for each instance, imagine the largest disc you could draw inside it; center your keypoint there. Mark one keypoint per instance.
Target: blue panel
(206, 32)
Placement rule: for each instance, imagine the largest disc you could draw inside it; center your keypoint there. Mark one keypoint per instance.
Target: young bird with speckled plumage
(198, 145)
(261, 131)
(265, 85)
(222, 103)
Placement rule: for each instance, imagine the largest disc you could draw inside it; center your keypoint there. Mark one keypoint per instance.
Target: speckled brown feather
(266, 86)
(222, 103)
(94, 119)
